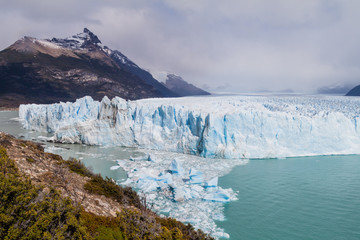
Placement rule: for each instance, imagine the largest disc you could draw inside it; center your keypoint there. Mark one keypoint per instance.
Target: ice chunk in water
(175, 167)
(147, 184)
(165, 177)
(196, 177)
(212, 183)
(219, 195)
(114, 167)
(182, 193)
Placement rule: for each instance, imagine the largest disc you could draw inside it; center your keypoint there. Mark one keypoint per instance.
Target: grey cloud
(252, 45)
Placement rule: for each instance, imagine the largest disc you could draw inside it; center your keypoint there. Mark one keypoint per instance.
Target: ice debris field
(212, 127)
(182, 186)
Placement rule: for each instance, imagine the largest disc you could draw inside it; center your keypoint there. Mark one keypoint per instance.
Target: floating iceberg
(147, 184)
(114, 167)
(219, 195)
(212, 182)
(196, 177)
(165, 178)
(214, 127)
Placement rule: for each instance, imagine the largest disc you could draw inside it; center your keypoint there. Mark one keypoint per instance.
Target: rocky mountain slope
(47, 71)
(181, 87)
(43, 196)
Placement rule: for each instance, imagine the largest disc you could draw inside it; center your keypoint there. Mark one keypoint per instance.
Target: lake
(290, 198)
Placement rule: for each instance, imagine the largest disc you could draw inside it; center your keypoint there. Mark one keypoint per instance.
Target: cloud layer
(230, 45)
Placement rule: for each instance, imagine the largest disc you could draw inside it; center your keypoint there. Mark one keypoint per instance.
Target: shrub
(110, 189)
(27, 212)
(78, 167)
(30, 160)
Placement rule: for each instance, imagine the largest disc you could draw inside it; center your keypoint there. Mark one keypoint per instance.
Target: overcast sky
(227, 45)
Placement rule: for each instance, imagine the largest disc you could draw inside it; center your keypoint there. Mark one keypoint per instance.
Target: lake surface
(292, 198)
(295, 198)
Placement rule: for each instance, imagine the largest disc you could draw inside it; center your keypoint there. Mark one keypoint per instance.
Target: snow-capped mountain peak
(84, 40)
(87, 40)
(90, 36)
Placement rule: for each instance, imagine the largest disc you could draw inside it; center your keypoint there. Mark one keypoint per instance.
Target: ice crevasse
(214, 127)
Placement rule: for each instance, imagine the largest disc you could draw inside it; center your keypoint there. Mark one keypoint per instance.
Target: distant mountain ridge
(354, 91)
(181, 87)
(46, 71)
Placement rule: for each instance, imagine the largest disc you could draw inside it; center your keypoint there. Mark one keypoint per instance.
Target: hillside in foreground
(43, 196)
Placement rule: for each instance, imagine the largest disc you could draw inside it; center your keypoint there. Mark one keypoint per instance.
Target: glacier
(206, 129)
(211, 127)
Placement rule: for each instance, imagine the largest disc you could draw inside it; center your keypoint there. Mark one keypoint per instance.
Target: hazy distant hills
(47, 71)
(338, 89)
(181, 87)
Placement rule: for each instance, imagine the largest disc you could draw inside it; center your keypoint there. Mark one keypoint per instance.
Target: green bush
(78, 167)
(30, 160)
(110, 189)
(28, 212)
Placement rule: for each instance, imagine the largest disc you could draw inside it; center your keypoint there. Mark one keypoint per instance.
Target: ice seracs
(212, 127)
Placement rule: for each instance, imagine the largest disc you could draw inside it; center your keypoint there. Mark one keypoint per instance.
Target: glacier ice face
(214, 127)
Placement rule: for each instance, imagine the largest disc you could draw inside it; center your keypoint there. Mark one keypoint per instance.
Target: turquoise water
(295, 198)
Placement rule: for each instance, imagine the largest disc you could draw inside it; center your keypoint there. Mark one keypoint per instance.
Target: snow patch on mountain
(122, 58)
(46, 43)
(161, 76)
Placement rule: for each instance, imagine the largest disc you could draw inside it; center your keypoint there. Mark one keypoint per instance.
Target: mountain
(354, 91)
(181, 87)
(130, 66)
(46, 71)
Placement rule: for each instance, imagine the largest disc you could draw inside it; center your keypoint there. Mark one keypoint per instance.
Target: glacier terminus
(211, 127)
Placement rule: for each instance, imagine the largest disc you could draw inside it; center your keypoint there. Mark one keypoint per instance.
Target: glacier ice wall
(215, 127)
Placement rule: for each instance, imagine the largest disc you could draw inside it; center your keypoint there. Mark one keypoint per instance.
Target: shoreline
(5, 109)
